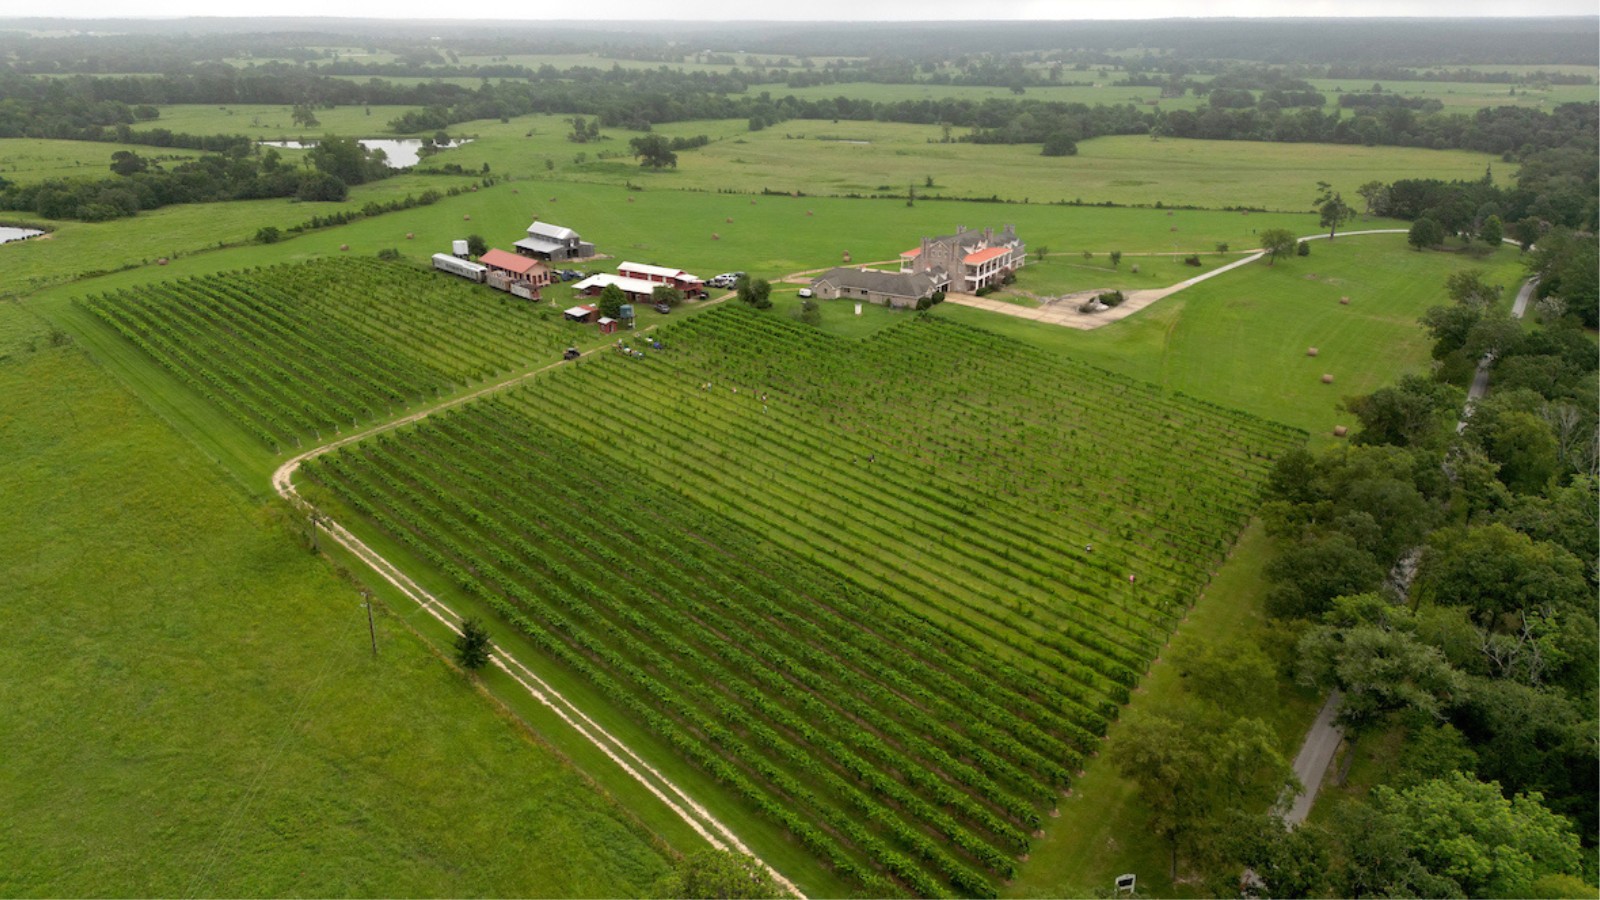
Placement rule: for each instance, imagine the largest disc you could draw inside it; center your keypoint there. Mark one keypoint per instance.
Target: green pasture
(75, 249)
(1241, 340)
(193, 708)
(1068, 273)
(1101, 93)
(26, 160)
(269, 122)
(868, 158)
(1464, 96)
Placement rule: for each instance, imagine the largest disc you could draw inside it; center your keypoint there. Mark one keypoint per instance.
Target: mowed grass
(28, 160)
(1463, 96)
(1241, 339)
(1099, 91)
(193, 707)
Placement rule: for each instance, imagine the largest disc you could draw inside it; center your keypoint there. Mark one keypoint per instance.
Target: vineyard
(891, 592)
(298, 353)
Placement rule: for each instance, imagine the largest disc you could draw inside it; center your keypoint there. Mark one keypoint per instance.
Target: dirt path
(1064, 310)
(675, 798)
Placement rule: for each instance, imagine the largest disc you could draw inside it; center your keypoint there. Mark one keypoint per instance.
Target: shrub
(268, 234)
(1192, 259)
(1302, 248)
(1112, 298)
(389, 253)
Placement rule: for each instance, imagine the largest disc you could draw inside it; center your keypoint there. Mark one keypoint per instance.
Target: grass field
(1241, 340)
(26, 160)
(193, 708)
(1103, 92)
(1460, 96)
(270, 122)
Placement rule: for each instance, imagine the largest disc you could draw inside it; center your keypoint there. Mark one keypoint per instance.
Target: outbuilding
(585, 313)
(893, 289)
(553, 243)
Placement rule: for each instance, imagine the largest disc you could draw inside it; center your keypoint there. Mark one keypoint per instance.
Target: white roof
(457, 261)
(606, 320)
(578, 311)
(631, 285)
(539, 244)
(554, 232)
(662, 271)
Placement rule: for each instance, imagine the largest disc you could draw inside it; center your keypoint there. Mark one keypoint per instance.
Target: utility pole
(372, 630)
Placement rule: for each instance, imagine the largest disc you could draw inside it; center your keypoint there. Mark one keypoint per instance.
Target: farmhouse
(553, 243)
(691, 285)
(968, 260)
(508, 270)
(894, 289)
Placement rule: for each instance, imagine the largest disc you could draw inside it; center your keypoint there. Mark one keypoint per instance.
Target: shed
(585, 313)
(607, 325)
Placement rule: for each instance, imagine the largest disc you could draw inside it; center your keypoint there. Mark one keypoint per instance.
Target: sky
(817, 10)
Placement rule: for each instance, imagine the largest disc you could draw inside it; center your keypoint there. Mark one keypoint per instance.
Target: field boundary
(693, 813)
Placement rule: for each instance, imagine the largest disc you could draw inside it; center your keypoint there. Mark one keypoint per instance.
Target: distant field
(26, 160)
(268, 122)
(1240, 340)
(1460, 96)
(882, 158)
(192, 708)
(1100, 93)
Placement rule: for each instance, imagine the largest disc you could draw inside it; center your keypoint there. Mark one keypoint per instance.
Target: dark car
(663, 308)
(572, 353)
(570, 274)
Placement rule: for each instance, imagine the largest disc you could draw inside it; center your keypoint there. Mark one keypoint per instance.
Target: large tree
(1331, 209)
(1277, 242)
(712, 874)
(654, 152)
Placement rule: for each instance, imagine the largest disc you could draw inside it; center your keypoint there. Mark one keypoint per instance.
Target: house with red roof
(968, 260)
(509, 269)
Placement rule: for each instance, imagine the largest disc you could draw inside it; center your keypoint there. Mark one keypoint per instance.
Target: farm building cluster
(965, 262)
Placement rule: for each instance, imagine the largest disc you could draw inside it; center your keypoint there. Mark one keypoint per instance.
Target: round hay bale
(729, 219)
(846, 256)
(466, 218)
(1340, 431)
(552, 199)
(344, 247)
(1327, 379)
(474, 189)
(410, 236)
(630, 199)
(1173, 228)
(515, 191)
(752, 201)
(1344, 301)
(715, 236)
(808, 212)
(1311, 351)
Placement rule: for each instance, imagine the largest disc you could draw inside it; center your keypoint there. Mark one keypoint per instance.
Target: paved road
(1311, 763)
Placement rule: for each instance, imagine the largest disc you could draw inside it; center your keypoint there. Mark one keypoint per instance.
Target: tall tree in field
(653, 152)
(1425, 233)
(611, 300)
(1277, 242)
(1331, 208)
(472, 645)
(1374, 194)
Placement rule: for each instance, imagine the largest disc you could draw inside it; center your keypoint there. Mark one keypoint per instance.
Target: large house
(894, 289)
(510, 272)
(553, 243)
(968, 260)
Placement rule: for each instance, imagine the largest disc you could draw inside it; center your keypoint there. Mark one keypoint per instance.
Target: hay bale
(1311, 351)
(808, 212)
(752, 201)
(729, 220)
(630, 199)
(1344, 301)
(410, 236)
(515, 191)
(466, 218)
(552, 199)
(1340, 431)
(343, 247)
(1327, 379)
(846, 256)
(1173, 228)
(715, 236)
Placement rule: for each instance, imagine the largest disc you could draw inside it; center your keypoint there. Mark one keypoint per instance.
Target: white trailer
(444, 262)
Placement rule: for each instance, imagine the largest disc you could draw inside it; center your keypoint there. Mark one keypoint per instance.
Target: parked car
(570, 274)
(806, 294)
(663, 308)
(572, 353)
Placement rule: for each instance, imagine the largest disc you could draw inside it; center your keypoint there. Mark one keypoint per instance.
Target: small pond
(401, 152)
(8, 234)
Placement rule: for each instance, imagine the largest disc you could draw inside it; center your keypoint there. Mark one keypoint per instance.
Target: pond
(401, 152)
(8, 234)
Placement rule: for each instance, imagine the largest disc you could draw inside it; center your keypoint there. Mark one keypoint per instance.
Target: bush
(389, 253)
(1303, 248)
(1192, 259)
(1111, 298)
(268, 234)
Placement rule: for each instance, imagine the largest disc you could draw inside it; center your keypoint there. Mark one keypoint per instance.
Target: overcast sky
(812, 10)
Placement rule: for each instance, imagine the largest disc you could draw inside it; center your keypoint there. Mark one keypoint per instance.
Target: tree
(343, 158)
(1368, 649)
(321, 187)
(718, 875)
(472, 645)
(1425, 233)
(1487, 844)
(811, 313)
(1192, 772)
(1309, 575)
(666, 293)
(1415, 412)
(756, 292)
(1374, 194)
(611, 300)
(476, 245)
(1277, 242)
(126, 163)
(268, 234)
(1468, 288)
(1116, 258)
(1493, 572)
(1333, 212)
(653, 152)
(303, 115)
(1234, 678)
(1060, 145)
(1492, 232)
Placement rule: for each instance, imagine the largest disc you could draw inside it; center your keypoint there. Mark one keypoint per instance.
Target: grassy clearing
(193, 707)
(1463, 97)
(270, 122)
(26, 160)
(1101, 93)
(1241, 340)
